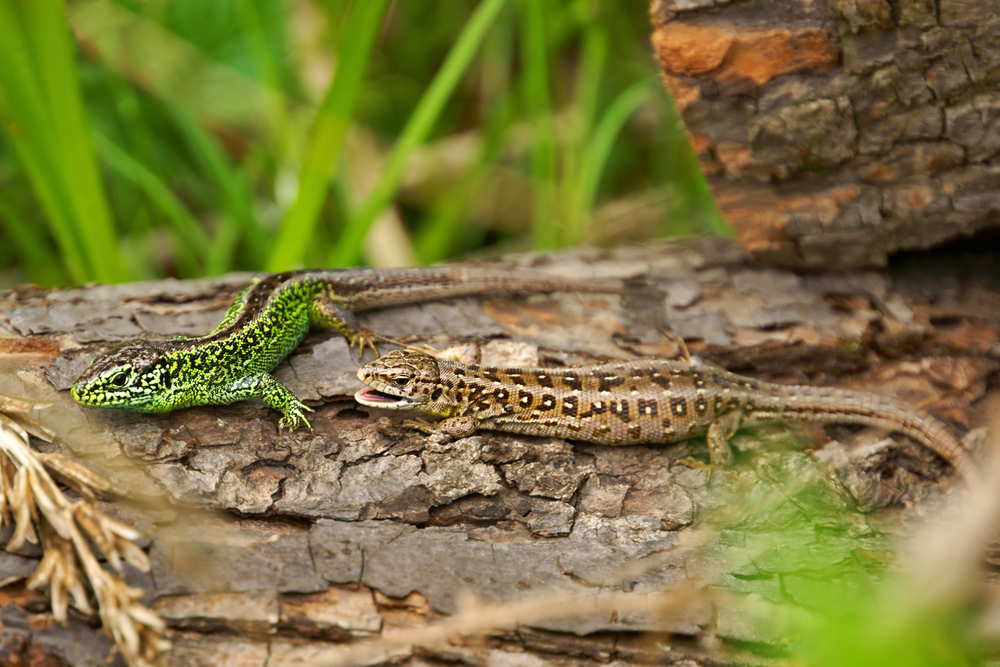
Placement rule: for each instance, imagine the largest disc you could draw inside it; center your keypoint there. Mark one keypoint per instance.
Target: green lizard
(266, 322)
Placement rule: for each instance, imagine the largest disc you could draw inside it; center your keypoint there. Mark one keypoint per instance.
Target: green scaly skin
(266, 322)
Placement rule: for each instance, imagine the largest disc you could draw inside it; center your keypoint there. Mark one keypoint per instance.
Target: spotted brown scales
(644, 401)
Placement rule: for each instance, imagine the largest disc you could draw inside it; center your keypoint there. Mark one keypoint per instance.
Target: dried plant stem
(68, 532)
(476, 618)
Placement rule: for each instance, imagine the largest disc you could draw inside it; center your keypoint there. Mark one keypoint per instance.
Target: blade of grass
(28, 152)
(326, 141)
(253, 28)
(599, 148)
(697, 211)
(496, 67)
(172, 68)
(195, 248)
(693, 208)
(46, 26)
(589, 76)
(31, 248)
(441, 234)
(418, 127)
(24, 114)
(593, 55)
(436, 240)
(545, 223)
(238, 220)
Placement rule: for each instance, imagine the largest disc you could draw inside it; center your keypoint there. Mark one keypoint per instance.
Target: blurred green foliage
(183, 137)
(809, 578)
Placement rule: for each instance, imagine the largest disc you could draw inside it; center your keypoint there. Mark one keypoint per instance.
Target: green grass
(192, 247)
(811, 579)
(416, 131)
(187, 138)
(46, 125)
(546, 227)
(333, 118)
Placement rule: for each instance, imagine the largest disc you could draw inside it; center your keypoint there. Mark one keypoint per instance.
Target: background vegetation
(182, 137)
(144, 138)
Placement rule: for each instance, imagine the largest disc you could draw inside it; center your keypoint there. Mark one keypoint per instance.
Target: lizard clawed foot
(695, 464)
(420, 347)
(682, 348)
(463, 353)
(362, 339)
(453, 428)
(365, 338)
(293, 416)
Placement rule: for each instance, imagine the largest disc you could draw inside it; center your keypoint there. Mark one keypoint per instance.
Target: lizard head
(131, 375)
(404, 380)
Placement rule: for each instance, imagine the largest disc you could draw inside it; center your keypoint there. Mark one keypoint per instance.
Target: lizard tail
(430, 284)
(868, 409)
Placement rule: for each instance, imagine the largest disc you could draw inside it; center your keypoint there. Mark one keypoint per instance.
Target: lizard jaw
(373, 398)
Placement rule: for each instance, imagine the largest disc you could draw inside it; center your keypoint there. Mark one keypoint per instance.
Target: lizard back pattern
(642, 401)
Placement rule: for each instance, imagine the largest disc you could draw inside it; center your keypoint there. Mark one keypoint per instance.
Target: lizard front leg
(272, 392)
(454, 427)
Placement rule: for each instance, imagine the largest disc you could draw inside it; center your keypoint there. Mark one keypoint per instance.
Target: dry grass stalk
(945, 556)
(68, 531)
(476, 618)
(479, 618)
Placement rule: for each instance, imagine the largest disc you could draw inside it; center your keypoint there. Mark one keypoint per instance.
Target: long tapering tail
(431, 284)
(865, 408)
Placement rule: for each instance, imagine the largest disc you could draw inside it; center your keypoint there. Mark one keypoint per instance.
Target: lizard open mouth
(377, 399)
(375, 396)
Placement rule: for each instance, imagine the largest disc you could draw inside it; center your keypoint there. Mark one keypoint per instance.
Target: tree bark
(836, 133)
(269, 547)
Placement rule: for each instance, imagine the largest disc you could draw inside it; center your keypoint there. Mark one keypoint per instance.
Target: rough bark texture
(272, 547)
(837, 132)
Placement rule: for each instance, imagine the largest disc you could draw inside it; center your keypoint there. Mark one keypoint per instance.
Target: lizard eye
(120, 379)
(401, 381)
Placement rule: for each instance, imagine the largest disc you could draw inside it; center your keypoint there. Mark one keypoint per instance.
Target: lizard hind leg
(720, 454)
(719, 432)
(325, 313)
(234, 309)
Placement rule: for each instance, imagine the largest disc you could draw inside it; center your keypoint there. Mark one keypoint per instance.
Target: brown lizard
(632, 402)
